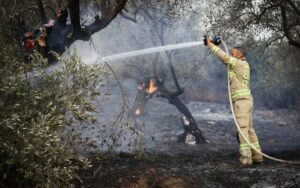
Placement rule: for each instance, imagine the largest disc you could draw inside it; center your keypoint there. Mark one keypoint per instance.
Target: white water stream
(95, 56)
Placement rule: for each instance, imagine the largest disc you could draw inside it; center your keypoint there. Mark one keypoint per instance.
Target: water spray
(186, 45)
(147, 51)
(151, 50)
(238, 127)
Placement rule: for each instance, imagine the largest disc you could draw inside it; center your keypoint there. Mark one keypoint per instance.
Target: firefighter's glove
(206, 40)
(216, 40)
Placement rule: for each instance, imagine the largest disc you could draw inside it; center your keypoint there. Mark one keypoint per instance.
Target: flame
(137, 112)
(151, 88)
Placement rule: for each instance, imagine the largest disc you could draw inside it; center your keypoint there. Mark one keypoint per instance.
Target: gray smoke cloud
(208, 84)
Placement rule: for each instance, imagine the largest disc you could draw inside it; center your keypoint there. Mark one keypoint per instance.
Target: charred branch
(179, 89)
(190, 126)
(189, 123)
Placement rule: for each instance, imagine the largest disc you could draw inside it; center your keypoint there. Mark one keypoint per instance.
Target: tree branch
(139, 70)
(74, 8)
(51, 9)
(274, 40)
(126, 16)
(286, 30)
(294, 6)
(108, 14)
(42, 11)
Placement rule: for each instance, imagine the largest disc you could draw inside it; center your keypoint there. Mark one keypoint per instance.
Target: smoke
(207, 84)
(124, 35)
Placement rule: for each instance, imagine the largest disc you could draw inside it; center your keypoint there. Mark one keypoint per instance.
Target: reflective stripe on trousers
(239, 93)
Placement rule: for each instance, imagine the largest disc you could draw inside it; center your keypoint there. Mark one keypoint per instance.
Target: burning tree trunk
(140, 101)
(148, 89)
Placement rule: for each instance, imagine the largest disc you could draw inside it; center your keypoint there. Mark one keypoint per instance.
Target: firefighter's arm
(223, 56)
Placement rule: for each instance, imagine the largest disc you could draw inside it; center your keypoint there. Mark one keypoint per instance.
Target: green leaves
(35, 110)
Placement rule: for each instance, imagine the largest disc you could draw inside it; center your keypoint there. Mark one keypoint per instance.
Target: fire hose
(239, 129)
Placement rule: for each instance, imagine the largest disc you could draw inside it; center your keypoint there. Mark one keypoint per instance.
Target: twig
(133, 19)
(125, 104)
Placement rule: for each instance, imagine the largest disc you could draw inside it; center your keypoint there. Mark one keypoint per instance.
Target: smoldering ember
(138, 94)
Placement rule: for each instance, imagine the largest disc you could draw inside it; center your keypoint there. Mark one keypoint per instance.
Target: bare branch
(128, 17)
(269, 43)
(139, 70)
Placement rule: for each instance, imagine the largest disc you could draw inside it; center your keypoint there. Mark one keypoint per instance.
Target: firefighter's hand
(216, 40)
(207, 40)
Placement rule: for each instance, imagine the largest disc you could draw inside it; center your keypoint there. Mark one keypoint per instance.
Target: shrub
(35, 104)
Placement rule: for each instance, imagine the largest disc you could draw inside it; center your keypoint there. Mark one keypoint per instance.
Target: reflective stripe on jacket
(239, 74)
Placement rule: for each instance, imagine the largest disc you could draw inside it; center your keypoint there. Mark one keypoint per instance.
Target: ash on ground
(172, 164)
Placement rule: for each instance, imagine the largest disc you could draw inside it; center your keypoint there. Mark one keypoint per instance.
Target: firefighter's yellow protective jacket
(239, 74)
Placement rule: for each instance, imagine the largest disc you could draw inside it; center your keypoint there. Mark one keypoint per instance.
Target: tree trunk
(74, 8)
(42, 11)
(188, 121)
(59, 36)
(109, 12)
(140, 102)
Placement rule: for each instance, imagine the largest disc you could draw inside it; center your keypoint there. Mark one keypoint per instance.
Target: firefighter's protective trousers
(239, 75)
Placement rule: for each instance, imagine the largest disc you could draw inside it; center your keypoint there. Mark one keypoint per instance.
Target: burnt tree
(188, 121)
(159, 78)
(146, 91)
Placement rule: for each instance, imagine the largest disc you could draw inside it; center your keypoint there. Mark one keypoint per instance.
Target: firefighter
(239, 75)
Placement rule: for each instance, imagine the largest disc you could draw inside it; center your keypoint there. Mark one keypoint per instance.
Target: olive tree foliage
(22, 16)
(33, 111)
(268, 20)
(275, 76)
(269, 30)
(35, 108)
(34, 13)
(36, 105)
